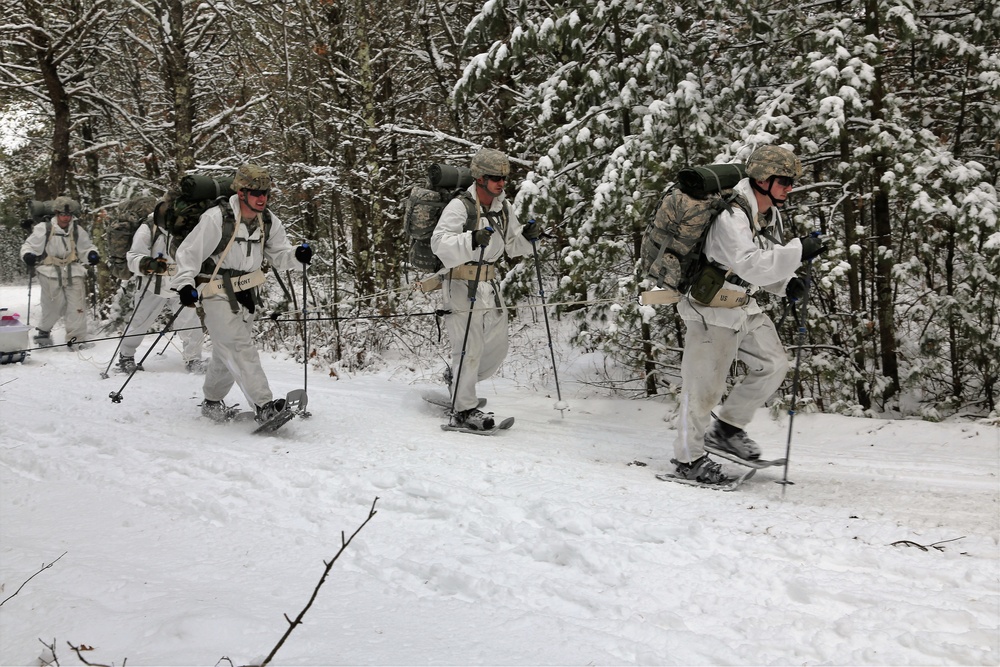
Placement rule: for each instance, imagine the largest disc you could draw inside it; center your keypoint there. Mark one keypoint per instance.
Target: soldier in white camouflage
(60, 250)
(228, 294)
(460, 242)
(148, 258)
(754, 256)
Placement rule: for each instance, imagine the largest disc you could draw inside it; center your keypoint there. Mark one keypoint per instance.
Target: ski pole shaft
(468, 325)
(31, 275)
(167, 344)
(305, 329)
(116, 396)
(121, 338)
(801, 318)
(548, 331)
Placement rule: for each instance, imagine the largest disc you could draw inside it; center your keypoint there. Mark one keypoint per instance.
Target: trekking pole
(560, 405)
(116, 396)
(104, 375)
(305, 330)
(167, 344)
(92, 279)
(801, 318)
(31, 275)
(468, 323)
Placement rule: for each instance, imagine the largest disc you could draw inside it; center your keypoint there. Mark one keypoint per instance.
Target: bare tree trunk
(374, 260)
(882, 224)
(58, 98)
(177, 78)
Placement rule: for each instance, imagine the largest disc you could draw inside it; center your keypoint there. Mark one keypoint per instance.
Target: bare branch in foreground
(326, 572)
(83, 647)
(44, 567)
(936, 545)
(52, 652)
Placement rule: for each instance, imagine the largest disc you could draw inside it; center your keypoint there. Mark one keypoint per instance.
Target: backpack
(118, 232)
(670, 255)
(181, 209)
(423, 207)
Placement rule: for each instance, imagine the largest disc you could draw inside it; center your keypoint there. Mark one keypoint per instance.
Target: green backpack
(120, 229)
(670, 255)
(423, 207)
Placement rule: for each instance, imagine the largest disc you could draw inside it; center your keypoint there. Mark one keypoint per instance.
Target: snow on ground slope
(185, 542)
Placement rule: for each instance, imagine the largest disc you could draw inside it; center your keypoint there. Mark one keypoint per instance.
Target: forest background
(893, 106)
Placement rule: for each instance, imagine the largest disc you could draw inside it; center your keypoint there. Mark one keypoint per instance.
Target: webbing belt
(724, 298)
(468, 272)
(225, 283)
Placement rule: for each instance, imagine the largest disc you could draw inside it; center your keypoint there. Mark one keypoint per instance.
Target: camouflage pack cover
(489, 161)
(768, 161)
(121, 228)
(670, 255)
(251, 177)
(420, 216)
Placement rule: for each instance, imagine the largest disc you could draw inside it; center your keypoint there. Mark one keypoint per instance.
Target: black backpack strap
(470, 209)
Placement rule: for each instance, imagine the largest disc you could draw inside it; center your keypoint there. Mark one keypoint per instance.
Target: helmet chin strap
(770, 185)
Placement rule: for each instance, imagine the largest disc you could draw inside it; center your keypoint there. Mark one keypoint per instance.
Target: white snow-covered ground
(176, 541)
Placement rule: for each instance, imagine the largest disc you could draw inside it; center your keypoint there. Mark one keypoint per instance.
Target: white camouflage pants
(487, 343)
(234, 355)
(708, 353)
(146, 312)
(69, 298)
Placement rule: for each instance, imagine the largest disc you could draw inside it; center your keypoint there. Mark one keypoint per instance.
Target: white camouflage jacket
(735, 243)
(60, 245)
(453, 245)
(246, 254)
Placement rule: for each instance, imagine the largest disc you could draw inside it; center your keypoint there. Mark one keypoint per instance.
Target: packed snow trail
(187, 541)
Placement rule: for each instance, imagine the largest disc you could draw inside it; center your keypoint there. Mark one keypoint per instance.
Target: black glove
(151, 265)
(796, 288)
(532, 231)
(30, 258)
(93, 257)
(481, 237)
(189, 296)
(811, 246)
(304, 253)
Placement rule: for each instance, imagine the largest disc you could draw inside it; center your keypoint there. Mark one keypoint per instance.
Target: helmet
(65, 205)
(489, 161)
(768, 161)
(251, 177)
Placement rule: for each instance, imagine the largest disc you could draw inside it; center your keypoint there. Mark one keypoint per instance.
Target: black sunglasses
(256, 193)
(495, 178)
(784, 181)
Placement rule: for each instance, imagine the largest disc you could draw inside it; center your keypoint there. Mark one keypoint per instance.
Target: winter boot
(704, 470)
(42, 337)
(196, 366)
(724, 437)
(474, 419)
(269, 410)
(126, 364)
(217, 411)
